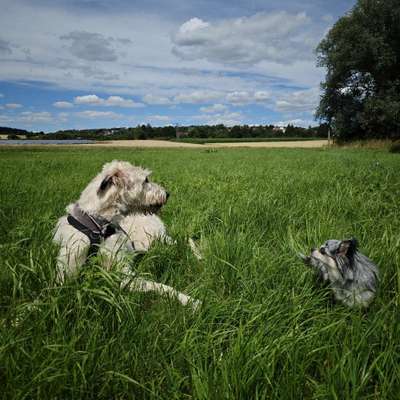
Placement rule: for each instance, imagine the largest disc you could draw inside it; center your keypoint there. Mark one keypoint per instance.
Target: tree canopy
(361, 92)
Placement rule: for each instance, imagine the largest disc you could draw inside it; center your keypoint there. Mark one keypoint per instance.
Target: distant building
(279, 129)
(107, 132)
(180, 134)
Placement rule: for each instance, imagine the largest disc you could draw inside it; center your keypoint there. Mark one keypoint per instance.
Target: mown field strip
(192, 144)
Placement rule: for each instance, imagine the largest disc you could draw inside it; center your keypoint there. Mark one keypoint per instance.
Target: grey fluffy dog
(351, 275)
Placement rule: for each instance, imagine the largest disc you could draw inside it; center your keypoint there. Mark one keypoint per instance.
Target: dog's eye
(146, 180)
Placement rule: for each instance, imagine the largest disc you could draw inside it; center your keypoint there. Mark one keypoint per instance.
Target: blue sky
(97, 63)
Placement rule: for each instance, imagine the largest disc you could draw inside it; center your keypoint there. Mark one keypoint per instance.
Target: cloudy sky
(102, 63)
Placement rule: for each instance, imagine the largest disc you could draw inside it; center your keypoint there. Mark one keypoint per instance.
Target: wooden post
(329, 135)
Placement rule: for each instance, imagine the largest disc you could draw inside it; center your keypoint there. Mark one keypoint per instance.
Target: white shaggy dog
(115, 213)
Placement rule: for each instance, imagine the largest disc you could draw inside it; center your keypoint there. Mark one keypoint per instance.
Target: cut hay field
(265, 330)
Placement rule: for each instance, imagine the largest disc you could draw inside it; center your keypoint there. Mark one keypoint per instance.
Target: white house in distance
(279, 129)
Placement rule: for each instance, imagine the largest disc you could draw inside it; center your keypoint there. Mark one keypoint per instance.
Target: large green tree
(361, 92)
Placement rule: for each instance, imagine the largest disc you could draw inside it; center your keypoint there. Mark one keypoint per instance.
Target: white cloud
(244, 97)
(91, 114)
(35, 117)
(28, 117)
(158, 120)
(192, 25)
(160, 117)
(13, 106)
(215, 108)
(261, 96)
(117, 101)
(63, 116)
(277, 37)
(226, 118)
(111, 101)
(239, 98)
(299, 101)
(88, 99)
(154, 99)
(63, 104)
(198, 96)
(5, 119)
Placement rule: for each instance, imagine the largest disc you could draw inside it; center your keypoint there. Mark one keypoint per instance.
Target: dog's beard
(151, 209)
(146, 209)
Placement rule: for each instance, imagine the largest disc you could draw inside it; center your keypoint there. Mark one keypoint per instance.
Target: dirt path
(305, 144)
(166, 144)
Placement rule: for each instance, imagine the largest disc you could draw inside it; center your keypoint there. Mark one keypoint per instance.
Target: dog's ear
(105, 184)
(347, 247)
(114, 179)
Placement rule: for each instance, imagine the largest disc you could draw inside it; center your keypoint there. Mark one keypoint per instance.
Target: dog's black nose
(167, 195)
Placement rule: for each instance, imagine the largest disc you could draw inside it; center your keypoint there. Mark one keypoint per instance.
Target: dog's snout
(322, 250)
(313, 249)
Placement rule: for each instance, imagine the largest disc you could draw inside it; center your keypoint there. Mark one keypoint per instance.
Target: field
(189, 144)
(265, 330)
(204, 145)
(246, 140)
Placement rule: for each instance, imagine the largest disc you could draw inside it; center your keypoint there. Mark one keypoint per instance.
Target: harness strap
(95, 229)
(94, 236)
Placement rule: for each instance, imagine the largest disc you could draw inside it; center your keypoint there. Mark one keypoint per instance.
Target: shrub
(395, 147)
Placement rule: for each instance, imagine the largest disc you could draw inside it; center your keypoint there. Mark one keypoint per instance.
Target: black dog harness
(95, 228)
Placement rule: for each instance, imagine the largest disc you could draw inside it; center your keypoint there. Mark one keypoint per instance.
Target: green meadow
(265, 329)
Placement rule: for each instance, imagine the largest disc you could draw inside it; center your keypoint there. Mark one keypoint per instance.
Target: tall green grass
(265, 330)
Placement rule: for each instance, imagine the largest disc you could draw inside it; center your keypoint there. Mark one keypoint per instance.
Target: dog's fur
(123, 195)
(351, 275)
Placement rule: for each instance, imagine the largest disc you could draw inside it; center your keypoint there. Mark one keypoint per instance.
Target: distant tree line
(171, 132)
(361, 92)
(14, 133)
(247, 131)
